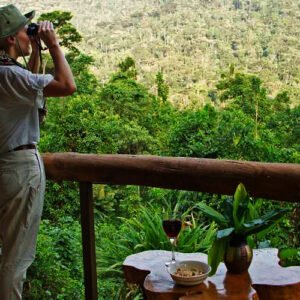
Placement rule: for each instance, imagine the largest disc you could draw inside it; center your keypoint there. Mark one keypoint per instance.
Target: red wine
(172, 227)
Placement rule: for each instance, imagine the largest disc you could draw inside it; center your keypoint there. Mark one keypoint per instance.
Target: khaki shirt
(21, 95)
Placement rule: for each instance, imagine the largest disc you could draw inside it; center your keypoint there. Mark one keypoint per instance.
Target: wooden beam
(268, 180)
(88, 240)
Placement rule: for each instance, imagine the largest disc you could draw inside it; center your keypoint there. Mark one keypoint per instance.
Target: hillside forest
(242, 105)
(192, 42)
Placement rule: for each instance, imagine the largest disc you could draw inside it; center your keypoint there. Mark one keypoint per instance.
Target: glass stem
(173, 241)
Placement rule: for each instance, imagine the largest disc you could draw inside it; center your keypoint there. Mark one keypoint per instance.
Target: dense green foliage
(241, 121)
(57, 270)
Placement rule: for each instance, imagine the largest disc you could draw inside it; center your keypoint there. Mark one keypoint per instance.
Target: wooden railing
(267, 180)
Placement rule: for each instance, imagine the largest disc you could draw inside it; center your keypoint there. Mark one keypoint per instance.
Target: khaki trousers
(22, 186)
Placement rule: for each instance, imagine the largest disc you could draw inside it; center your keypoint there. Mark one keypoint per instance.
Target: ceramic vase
(238, 255)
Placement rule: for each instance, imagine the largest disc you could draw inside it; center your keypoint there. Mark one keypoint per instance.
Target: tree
(193, 134)
(132, 101)
(127, 66)
(246, 92)
(67, 33)
(162, 87)
(86, 81)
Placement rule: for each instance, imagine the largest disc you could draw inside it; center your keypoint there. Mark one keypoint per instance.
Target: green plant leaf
(227, 206)
(253, 210)
(254, 223)
(251, 242)
(264, 222)
(224, 232)
(213, 214)
(240, 205)
(216, 254)
(289, 257)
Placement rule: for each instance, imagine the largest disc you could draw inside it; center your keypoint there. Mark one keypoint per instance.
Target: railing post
(88, 240)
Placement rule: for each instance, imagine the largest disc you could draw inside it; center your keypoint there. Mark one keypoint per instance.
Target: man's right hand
(47, 34)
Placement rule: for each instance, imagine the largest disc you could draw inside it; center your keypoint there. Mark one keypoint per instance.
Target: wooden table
(266, 280)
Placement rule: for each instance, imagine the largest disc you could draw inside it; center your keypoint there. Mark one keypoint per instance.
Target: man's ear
(11, 40)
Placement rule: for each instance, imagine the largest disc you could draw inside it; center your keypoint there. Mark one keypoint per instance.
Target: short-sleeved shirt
(21, 95)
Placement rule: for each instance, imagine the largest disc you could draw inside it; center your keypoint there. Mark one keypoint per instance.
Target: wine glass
(172, 227)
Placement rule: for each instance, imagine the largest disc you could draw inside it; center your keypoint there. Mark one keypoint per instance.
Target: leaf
(252, 211)
(251, 242)
(227, 206)
(289, 257)
(240, 205)
(216, 254)
(264, 222)
(213, 214)
(254, 223)
(224, 233)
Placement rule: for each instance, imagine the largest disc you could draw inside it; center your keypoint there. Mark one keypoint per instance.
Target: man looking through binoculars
(22, 177)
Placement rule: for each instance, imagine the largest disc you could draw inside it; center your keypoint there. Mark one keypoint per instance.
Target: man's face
(24, 42)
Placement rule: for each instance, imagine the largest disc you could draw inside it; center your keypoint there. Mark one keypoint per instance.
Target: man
(22, 179)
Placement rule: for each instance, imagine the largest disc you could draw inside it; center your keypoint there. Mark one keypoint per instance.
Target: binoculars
(32, 29)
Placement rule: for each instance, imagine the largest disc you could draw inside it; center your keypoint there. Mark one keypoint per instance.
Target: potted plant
(238, 221)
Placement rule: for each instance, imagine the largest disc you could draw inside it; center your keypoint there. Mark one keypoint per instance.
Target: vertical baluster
(88, 240)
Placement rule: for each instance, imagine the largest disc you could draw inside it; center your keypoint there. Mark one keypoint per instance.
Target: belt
(24, 147)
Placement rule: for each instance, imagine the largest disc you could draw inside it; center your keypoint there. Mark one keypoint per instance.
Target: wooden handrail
(267, 180)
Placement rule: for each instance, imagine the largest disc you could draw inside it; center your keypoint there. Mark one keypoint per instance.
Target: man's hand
(47, 34)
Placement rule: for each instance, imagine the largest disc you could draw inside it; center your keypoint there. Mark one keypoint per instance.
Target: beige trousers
(22, 186)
